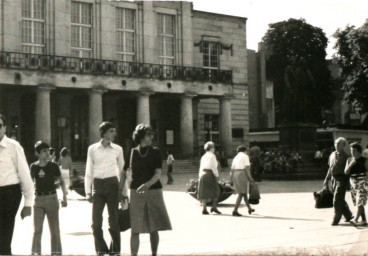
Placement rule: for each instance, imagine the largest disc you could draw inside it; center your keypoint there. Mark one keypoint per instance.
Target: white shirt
(103, 162)
(14, 168)
(365, 153)
(240, 162)
(209, 162)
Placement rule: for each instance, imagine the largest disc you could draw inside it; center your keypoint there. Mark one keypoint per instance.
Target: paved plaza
(285, 222)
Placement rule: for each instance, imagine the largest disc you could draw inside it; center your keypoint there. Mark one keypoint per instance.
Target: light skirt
(240, 182)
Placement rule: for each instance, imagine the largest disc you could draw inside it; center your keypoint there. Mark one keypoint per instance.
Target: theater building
(65, 66)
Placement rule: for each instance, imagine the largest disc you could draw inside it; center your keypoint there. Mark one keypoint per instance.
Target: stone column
(95, 115)
(43, 114)
(226, 140)
(143, 108)
(186, 126)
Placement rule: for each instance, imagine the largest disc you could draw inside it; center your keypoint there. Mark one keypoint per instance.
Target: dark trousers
(339, 203)
(170, 178)
(10, 197)
(106, 192)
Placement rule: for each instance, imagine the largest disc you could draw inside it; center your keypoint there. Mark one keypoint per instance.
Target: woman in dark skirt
(208, 188)
(148, 212)
(356, 168)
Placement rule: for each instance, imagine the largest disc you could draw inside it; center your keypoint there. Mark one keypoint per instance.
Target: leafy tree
(298, 40)
(352, 55)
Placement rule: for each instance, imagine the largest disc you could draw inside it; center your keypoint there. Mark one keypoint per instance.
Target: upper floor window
(211, 55)
(125, 34)
(33, 26)
(81, 16)
(166, 38)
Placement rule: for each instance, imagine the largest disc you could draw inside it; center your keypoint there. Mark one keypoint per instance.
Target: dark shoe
(237, 214)
(215, 211)
(334, 223)
(349, 219)
(205, 212)
(352, 222)
(250, 211)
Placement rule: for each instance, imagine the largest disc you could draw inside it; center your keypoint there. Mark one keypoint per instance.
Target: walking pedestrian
(15, 179)
(148, 212)
(44, 173)
(255, 162)
(66, 166)
(52, 155)
(208, 188)
(356, 168)
(105, 162)
(170, 160)
(240, 176)
(337, 162)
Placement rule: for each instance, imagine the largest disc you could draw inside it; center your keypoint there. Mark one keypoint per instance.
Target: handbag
(124, 217)
(323, 198)
(254, 194)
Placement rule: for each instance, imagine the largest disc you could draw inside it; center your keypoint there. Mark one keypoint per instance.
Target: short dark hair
(105, 126)
(64, 152)
(357, 146)
(2, 117)
(241, 148)
(40, 145)
(140, 132)
(52, 151)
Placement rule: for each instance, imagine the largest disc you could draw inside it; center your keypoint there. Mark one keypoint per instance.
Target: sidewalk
(284, 223)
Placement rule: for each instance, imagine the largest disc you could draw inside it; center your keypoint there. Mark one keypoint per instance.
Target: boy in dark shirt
(44, 173)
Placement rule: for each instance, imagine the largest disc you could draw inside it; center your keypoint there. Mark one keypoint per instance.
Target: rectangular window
(210, 55)
(166, 39)
(33, 26)
(125, 34)
(81, 29)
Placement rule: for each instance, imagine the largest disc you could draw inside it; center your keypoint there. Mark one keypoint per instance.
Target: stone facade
(39, 95)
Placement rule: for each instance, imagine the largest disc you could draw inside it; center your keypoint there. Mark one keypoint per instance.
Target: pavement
(284, 223)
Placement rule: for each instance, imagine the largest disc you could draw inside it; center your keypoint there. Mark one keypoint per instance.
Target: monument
(297, 131)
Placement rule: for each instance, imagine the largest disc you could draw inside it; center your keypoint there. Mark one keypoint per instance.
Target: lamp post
(61, 124)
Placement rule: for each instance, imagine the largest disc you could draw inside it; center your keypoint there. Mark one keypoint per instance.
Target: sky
(326, 14)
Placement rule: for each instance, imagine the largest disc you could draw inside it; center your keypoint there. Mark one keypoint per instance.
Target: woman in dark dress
(148, 212)
(356, 168)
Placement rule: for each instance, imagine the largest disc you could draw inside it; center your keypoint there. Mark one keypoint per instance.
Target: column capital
(45, 87)
(97, 91)
(227, 96)
(145, 92)
(189, 95)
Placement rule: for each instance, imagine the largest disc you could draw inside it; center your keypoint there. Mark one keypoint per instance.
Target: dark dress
(147, 210)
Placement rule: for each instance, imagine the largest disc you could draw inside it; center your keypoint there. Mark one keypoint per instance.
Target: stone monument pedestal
(301, 138)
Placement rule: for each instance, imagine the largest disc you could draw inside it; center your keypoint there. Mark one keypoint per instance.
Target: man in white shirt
(104, 170)
(15, 179)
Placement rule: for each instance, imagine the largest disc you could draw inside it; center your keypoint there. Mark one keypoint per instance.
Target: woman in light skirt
(240, 176)
(66, 166)
(208, 188)
(148, 212)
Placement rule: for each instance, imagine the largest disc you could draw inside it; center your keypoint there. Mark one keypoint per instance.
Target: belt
(10, 187)
(46, 193)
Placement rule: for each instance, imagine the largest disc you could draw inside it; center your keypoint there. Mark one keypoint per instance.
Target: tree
(352, 55)
(296, 40)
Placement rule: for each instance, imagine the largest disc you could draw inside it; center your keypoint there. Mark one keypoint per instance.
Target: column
(143, 108)
(226, 140)
(95, 115)
(43, 114)
(186, 126)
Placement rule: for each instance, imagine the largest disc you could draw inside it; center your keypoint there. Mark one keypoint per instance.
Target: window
(33, 26)
(210, 55)
(81, 16)
(166, 39)
(211, 125)
(125, 34)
